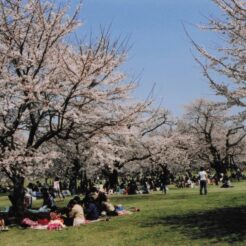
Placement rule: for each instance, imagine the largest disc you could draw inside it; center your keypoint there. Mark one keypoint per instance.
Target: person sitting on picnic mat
(98, 198)
(76, 213)
(48, 200)
(90, 208)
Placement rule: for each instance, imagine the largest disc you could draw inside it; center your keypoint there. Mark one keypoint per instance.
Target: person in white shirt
(203, 181)
(57, 188)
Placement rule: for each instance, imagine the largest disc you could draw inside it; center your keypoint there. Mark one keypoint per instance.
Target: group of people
(48, 193)
(140, 185)
(94, 205)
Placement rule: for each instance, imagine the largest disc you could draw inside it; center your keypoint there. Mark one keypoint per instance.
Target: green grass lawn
(182, 217)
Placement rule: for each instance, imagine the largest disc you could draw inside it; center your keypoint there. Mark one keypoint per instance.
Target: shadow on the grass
(222, 224)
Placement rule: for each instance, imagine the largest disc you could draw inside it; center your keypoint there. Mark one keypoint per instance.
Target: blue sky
(160, 50)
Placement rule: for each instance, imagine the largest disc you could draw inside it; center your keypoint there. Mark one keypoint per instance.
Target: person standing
(164, 182)
(203, 181)
(57, 188)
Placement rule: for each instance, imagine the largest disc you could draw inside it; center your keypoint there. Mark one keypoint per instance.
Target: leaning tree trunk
(17, 197)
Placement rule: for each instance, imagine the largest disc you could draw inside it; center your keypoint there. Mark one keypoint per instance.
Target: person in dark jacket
(48, 199)
(90, 209)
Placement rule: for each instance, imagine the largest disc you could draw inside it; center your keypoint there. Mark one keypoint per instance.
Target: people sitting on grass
(97, 203)
(97, 197)
(48, 200)
(95, 206)
(226, 183)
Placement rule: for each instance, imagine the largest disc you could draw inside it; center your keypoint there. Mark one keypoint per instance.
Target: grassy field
(182, 217)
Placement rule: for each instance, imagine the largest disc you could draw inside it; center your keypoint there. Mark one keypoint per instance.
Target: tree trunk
(83, 182)
(73, 185)
(74, 176)
(112, 177)
(17, 197)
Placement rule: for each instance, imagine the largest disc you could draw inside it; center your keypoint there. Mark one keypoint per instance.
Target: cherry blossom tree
(224, 64)
(110, 152)
(52, 89)
(216, 139)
